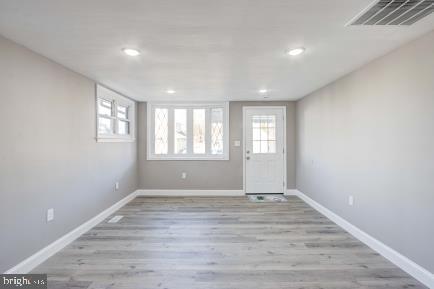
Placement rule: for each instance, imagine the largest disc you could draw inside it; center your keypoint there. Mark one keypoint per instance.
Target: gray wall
(210, 175)
(48, 154)
(371, 135)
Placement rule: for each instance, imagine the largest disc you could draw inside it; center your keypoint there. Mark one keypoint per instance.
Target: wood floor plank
(220, 242)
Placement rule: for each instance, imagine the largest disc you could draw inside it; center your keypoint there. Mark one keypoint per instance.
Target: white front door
(264, 154)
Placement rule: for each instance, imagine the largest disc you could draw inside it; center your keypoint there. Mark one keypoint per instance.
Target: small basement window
(115, 116)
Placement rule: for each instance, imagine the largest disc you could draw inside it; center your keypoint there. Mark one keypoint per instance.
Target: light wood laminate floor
(220, 242)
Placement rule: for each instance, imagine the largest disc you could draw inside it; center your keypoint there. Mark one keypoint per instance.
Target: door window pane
(256, 146)
(105, 125)
(161, 130)
(217, 131)
(180, 131)
(271, 146)
(199, 131)
(105, 107)
(264, 134)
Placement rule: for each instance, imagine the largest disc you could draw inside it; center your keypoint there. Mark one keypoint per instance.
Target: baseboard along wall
(42, 255)
(413, 269)
(186, 193)
(418, 272)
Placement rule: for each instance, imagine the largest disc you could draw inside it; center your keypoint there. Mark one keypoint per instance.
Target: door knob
(248, 152)
(247, 158)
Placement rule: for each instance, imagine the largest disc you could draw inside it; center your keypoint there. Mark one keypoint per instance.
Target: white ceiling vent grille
(394, 12)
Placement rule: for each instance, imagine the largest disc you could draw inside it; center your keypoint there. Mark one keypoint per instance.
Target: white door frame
(285, 176)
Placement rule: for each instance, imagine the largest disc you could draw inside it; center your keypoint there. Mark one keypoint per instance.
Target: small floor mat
(267, 198)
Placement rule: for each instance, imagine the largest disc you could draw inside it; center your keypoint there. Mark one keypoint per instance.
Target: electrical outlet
(184, 175)
(237, 143)
(50, 215)
(117, 186)
(351, 200)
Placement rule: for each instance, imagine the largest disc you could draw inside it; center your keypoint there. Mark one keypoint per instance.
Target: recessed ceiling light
(131, 51)
(263, 91)
(170, 91)
(296, 51)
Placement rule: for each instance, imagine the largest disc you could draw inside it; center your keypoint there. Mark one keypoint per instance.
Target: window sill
(102, 140)
(205, 158)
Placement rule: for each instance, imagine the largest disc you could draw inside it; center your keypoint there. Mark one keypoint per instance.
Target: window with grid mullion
(264, 134)
(192, 132)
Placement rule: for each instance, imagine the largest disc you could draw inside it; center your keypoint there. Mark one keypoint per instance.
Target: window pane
(123, 127)
(161, 131)
(217, 131)
(122, 112)
(264, 146)
(105, 125)
(199, 131)
(271, 133)
(271, 147)
(180, 131)
(271, 121)
(256, 121)
(104, 107)
(256, 133)
(256, 146)
(264, 134)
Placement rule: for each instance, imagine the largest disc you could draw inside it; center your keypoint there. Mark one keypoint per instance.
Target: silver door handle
(247, 158)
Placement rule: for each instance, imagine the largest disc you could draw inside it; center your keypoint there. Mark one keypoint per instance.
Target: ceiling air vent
(394, 12)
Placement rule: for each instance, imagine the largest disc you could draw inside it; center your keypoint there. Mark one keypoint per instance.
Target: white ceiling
(204, 49)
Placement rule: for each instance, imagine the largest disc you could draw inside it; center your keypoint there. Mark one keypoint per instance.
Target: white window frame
(116, 99)
(189, 156)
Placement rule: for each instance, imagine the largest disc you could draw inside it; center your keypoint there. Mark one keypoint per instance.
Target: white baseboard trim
(413, 269)
(39, 257)
(186, 193)
(418, 272)
(291, 192)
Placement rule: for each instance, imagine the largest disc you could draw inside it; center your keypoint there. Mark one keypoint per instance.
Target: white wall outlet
(351, 200)
(117, 186)
(50, 215)
(184, 175)
(237, 143)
